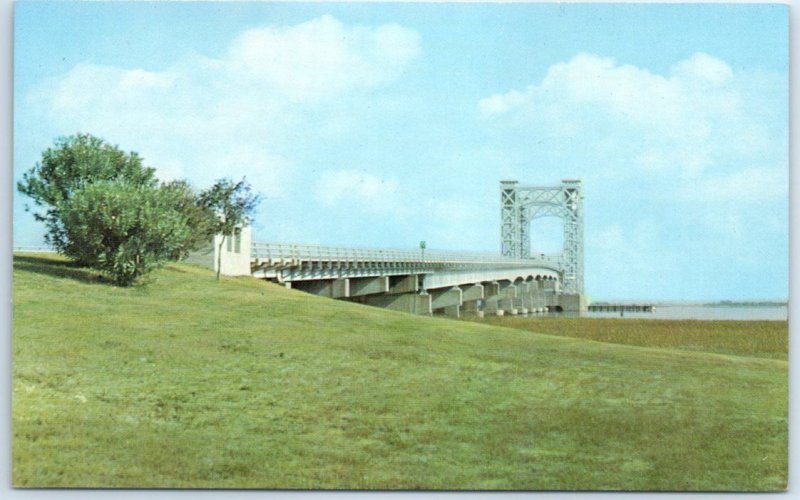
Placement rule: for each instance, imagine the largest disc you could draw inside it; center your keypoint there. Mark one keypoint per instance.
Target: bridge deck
(277, 256)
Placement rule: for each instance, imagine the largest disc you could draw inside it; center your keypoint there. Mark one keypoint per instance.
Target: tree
(123, 229)
(199, 218)
(106, 210)
(72, 164)
(233, 205)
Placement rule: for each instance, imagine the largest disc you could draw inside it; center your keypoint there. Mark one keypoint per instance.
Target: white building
(235, 253)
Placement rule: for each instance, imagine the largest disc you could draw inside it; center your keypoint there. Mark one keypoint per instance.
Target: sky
(381, 125)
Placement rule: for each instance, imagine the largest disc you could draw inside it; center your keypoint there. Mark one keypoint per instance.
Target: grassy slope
(190, 383)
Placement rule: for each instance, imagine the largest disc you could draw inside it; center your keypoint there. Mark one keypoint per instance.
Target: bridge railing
(276, 251)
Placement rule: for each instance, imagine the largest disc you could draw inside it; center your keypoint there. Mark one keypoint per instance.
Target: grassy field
(243, 384)
(763, 339)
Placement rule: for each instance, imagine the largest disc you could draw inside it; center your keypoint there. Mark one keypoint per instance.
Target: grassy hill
(187, 382)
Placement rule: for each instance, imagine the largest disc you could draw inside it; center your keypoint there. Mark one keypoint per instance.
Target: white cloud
(206, 118)
(322, 57)
(501, 103)
(269, 173)
(139, 79)
(704, 68)
(685, 105)
(91, 86)
(699, 128)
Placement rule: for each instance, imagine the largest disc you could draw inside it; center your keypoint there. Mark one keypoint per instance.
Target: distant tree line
(104, 209)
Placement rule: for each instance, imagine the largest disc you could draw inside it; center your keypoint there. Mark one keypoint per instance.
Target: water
(695, 311)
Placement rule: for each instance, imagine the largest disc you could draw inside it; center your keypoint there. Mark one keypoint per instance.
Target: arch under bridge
(429, 282)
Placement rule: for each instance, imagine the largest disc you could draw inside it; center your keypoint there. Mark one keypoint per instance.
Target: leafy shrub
(104, 209)
(122, 229)
(73, 163)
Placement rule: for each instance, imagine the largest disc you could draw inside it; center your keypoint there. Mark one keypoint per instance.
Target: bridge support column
(573, 302)
(507, 295)
(470, 295)
(413, 303)
(491, 289)
(471, 292)
(452, 311)
(491, 306)
(545, 295)
(507, 306)
(533, 297)
(548, 291)
(340, 288)
(537, 297)
(368, 286)
(323, 288)
(449, 299)
(523, 301)
(470, 308)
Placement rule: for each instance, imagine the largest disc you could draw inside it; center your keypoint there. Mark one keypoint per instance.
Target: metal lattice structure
(521, 205)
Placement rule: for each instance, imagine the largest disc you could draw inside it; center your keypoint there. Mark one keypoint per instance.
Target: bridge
(436, 282)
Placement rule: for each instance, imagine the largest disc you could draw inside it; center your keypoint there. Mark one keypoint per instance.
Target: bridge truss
(521, 205)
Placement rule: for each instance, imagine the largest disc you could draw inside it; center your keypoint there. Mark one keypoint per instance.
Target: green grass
(763, 339)
(243, 384)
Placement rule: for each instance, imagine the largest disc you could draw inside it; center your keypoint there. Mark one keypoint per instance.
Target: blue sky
(384, 124)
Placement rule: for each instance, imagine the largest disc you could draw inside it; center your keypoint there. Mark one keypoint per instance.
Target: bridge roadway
(429, 282)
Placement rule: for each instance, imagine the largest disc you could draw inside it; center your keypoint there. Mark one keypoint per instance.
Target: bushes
(122, 229)
(73, 163)
(104, 209)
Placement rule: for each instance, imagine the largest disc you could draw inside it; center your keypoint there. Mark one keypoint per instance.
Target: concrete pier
(491, 306)
(572, 302)
(472, 292)
(470, 308)
(412, 303)
(335, 289)
(448, 300)
(452, 311)
(401, 293)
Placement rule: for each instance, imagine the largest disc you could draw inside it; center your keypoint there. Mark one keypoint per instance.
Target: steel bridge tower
(521, 205)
